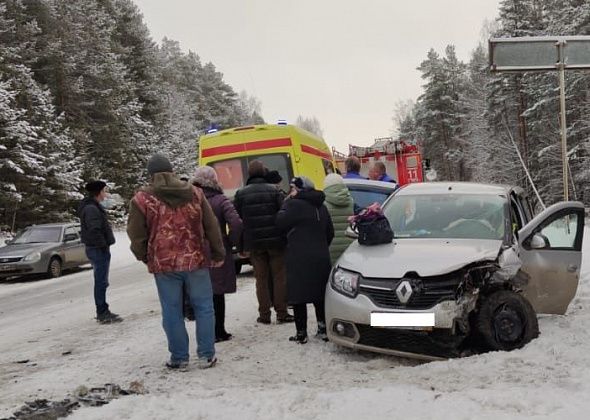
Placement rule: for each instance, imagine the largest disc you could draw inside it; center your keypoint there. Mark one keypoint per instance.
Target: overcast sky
(345, 62)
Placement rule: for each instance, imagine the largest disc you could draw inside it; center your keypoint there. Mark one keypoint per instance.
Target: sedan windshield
(447, 216)
(38, 235)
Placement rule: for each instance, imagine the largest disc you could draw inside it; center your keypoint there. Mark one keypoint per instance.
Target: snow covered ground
(260, 374)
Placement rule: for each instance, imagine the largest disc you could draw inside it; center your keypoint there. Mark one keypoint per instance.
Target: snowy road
(49, 324)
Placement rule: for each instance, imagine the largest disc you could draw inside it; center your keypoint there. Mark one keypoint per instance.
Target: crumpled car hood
(427, 257)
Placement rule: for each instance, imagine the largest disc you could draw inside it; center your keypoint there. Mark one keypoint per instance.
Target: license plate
(6, 267)
(402, 319)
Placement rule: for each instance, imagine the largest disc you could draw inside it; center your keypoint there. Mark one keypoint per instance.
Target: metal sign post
(539, 54)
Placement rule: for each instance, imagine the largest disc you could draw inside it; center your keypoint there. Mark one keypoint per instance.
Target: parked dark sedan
(43, 249)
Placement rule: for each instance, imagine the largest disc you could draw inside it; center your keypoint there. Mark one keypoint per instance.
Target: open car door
(550, 248)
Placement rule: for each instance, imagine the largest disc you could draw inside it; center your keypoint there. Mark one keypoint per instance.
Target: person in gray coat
(223, 278)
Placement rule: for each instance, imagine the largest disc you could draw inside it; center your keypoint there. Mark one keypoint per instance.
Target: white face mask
(107, 203)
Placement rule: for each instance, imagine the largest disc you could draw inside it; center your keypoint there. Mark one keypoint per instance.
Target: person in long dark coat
(223, 278)
(308, 226)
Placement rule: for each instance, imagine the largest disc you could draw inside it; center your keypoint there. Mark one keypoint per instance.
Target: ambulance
(288, 149)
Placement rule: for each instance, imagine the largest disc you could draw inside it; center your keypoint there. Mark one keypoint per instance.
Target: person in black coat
(258, 204)
(97, 236)
(308, 226)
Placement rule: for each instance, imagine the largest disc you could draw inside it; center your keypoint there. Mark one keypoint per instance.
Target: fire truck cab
(403, 161)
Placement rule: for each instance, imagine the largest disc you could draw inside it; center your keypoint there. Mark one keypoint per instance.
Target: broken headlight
(345, 282)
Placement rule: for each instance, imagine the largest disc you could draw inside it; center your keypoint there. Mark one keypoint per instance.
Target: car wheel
(506, 321)
(238, 266)
(54, 268)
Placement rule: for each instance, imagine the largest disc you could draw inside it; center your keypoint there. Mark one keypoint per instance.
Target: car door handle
(572, 268)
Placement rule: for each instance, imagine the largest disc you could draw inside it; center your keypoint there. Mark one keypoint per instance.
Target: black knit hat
(159, 163)
(95, 187)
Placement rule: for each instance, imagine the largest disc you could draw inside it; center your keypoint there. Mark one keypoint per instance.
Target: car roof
(65, 224)
(357, 182)
(420, 188)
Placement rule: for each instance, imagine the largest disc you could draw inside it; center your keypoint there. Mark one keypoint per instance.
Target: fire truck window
(411, 162)
(230, 175)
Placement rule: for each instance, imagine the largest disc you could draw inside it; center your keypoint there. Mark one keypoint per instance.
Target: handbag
(371, 226)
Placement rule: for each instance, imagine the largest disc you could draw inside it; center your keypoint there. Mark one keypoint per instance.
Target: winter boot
(204, 363)
(108, 317)
(322, 334)
(287, 318)
(299, 338)
(177, 365)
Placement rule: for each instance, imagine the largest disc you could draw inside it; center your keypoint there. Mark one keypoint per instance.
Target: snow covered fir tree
(466, 117)
(86, 93)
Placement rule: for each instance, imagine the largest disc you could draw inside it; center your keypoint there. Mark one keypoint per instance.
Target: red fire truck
(403, 161)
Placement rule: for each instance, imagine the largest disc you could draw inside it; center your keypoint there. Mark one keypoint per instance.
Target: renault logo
(404, 291)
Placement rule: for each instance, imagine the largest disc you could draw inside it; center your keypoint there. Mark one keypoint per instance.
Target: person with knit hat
(340, 205)
(306, 222)
(224, 277)
(97, 236)
(170, 223)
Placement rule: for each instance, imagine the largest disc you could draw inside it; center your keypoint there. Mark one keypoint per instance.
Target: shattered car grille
(436, 343)
(425, 292)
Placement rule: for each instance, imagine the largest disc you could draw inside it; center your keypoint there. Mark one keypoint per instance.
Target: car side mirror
(349, 233)
(8, 241)
(538, 242)
(70, 237)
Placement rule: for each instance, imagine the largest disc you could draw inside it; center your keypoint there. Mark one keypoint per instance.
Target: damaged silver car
(468, 271)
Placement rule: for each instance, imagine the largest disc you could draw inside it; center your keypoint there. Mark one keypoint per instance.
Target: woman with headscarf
(307, 224)
(224, 277)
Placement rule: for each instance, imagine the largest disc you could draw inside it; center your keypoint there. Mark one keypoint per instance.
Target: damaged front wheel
(506, 321)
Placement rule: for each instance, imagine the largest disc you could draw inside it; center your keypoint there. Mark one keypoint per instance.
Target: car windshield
(38, 235)
(447, 216)
(365, 197)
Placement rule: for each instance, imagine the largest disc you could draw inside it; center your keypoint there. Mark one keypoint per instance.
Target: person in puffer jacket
(170, 223)
(340, 205)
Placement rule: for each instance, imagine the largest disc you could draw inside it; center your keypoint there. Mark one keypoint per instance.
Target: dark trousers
(269, 270)
(219, 306)
(300, 313)
(100, 258)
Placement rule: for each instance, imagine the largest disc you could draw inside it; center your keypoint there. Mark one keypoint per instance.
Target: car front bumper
(348, 322)
(22, 268)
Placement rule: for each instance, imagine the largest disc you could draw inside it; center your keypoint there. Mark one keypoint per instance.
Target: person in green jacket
(340, 206)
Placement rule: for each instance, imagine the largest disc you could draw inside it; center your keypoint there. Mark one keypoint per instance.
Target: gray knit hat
(159, 163)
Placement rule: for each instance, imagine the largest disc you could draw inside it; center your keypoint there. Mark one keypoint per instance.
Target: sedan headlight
(33, 257)
(345, 282)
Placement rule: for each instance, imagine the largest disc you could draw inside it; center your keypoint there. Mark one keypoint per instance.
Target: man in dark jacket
(258, 204)
(97, 235)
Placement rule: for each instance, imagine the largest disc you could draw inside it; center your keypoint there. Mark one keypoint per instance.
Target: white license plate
(402, 319)
(6, 267)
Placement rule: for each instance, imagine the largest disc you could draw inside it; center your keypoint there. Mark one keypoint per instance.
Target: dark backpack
(371, 226)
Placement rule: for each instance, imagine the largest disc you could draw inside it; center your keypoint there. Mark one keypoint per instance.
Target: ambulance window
(277, 162)
(328, 166)
(230, 174)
